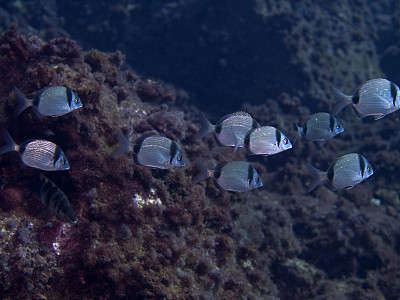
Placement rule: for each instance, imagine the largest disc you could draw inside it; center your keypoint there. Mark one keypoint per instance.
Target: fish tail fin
(342, 101)
(22, 102)
(202, 174)
(206, 127)
(10, 144)
(124, 145)
(318, 177)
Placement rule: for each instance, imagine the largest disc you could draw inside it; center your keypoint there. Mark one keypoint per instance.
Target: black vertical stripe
(217, 173)
(331, 174)
(247, 139)
(69, 96)
(393, 91)
(22, 147)
(305, 129)
(36, 99)
(172, 151)
(278, 136)
(57, 154)
(356, 97)
(138, 144)
(362, 164)
(218, 128)
(250, 173)
(331, 122)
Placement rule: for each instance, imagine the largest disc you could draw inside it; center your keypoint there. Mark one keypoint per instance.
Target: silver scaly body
(266, 140)
(319, 128)
(376, 97)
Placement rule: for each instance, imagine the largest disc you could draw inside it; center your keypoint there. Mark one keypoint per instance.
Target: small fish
(346, 172)
(152, 151)
(266, 140)
(54, 199)
(237, 176)
(230, 130)
(319, 128)
(40, 154)
(375, 97)
(53, 101)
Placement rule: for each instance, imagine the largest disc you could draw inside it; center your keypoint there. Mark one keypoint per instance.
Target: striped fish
(53, 101)
(237, 176)
(230, 130)
(319, 128)
(40, 154)
(376, 97)
(266, 140)
(152, 151)
(346, 172)
(54, 199)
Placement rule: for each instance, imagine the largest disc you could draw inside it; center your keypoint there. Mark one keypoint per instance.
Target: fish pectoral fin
(349, 187)
(377, 117)
(238, 141)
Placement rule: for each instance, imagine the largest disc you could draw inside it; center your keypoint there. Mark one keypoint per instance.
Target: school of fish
(376, 98)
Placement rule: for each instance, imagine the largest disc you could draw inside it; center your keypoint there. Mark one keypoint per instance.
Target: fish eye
(338, 126)
(286, 141)
(62, 161)
(369, 168)
(257, 179)
(179, 157)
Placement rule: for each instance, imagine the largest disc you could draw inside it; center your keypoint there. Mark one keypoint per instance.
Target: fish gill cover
(152, 234)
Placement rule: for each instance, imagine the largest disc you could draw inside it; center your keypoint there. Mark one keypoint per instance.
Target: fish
(39, 154)
(152, 151)
(266, 140)
(54, 199)
(236, 176)
(53, 101)
(376, 97)
(319, 128)
(230, 130)
(346, 172)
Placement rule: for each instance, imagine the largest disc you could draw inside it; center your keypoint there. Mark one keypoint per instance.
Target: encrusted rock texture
(152, 234)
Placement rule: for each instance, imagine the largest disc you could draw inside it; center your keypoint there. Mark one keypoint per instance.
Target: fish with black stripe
(230, 130)
(376, 97)
(319, 127)
(54, 199)
(237, 176)
(152, 151)
(53, 101)
(346, 172)
(266, 140)
(40, 154)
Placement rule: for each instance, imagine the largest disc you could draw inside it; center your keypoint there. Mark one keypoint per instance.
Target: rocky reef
(152, 234)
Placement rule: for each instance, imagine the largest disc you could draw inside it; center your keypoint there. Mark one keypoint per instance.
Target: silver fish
(376, 98)
(40, 154)
(346, 172)
(54, 199)
(319, 128)
(152, 151)
(230, 130)
(237, 176)
(266, 140)
(53, 101)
